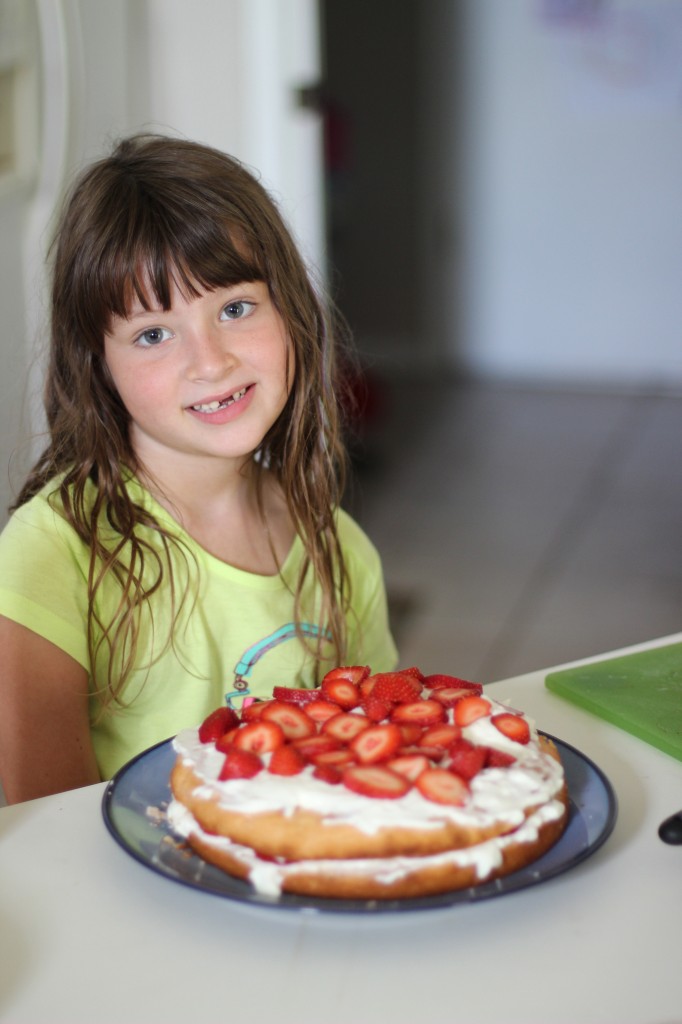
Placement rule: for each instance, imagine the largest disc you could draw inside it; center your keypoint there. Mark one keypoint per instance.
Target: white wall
(573, 194)
(226, 72)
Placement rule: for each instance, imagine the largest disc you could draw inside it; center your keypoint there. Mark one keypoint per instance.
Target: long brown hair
(161, 210)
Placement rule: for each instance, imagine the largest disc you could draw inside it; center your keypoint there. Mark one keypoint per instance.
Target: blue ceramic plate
(135, 800)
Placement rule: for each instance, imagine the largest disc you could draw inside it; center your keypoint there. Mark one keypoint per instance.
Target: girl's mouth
(208, 407)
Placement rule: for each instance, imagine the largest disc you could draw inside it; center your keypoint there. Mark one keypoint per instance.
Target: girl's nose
(209, 357)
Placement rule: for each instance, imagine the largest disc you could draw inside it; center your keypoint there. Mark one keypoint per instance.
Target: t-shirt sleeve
(370, 639)
(43, 577)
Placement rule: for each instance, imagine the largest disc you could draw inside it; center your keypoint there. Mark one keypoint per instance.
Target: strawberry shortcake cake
(373, 786)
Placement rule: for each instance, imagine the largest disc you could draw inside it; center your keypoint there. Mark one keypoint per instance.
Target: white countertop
(89, 934)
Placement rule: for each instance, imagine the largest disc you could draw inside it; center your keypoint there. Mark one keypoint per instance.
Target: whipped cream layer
(269, 877)
(496, 794)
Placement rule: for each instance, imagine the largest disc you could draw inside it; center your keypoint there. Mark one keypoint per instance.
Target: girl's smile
(221, 359)
(212, 406)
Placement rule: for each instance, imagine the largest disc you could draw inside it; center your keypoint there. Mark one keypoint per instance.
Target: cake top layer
(393, 749)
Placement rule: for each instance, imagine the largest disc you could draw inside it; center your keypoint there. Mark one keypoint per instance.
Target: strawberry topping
(414, 672)
(375, 708)
(217, 724)
(465, 759)
(259, 737)
(375, 781)
(440, 682)
(313, 745)
(353, 673)
(469, 709)
(498, 759)
(440, 735)
(240, 764)
(286, 760)
(321, 710)
(345, 726)
(514, 727)
(441, 786)
(293, 722)
(341, 691)
(327, 773)
(253, 711)
(421, 712)
(377, 743)
(409, 765)
(396, 688)
(292, 695)
(379, 734)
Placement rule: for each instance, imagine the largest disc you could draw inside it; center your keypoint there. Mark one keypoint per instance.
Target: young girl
(179, 543)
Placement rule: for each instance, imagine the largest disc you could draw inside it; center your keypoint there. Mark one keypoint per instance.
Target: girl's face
(206, 379)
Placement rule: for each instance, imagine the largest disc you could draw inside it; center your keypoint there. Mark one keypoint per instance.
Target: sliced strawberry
(353, 673)
(366, 686)
(223, 743)
(321, 710)
(341, 691)
(414, 672)
(346, 725)
(375, 709)
(396, 688)
(434, 754)
(465, 759)
(313, 745)
(240, 764)
(449, 695)
(430, 753)
(412, 732)
(286, 760)
(442, 735)
(409, 765)
(217, 724)
(420, 712)
(514, 727)
(338, 758)
(253, 711)
(327, 773)
(498, 758)
(468, 709)
(377, 743)
(259, 737)
(293, 722)
(375, 781)
(441, 786)
(440, 682)
(292, 695)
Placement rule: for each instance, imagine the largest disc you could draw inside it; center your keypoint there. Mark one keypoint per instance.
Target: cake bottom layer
(381, 878)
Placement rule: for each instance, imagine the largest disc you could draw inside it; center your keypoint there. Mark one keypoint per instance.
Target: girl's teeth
(213, 406)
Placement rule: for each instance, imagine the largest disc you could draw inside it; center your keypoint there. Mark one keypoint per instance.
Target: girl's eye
(237, 310)
(153, 336)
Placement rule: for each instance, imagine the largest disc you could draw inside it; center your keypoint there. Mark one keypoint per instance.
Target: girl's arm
(45, 744)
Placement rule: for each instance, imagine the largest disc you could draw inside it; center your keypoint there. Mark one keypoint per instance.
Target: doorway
(391, 101)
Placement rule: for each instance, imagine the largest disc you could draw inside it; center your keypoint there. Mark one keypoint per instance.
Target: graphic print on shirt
(244, 666)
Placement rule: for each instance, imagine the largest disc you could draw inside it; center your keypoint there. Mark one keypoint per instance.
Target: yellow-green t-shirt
(235, 634)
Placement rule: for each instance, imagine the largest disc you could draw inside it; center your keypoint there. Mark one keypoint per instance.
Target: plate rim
(244, 893)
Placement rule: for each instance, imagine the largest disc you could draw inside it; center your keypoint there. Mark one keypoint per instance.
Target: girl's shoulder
(46, 508)
(38, 533)
(44, 505)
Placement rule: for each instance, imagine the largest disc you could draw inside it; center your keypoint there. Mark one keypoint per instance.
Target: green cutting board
(641, 693)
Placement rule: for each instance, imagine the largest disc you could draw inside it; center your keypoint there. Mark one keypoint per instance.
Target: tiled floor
(524, 528)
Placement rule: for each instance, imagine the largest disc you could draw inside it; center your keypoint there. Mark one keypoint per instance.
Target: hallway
(524, 528)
